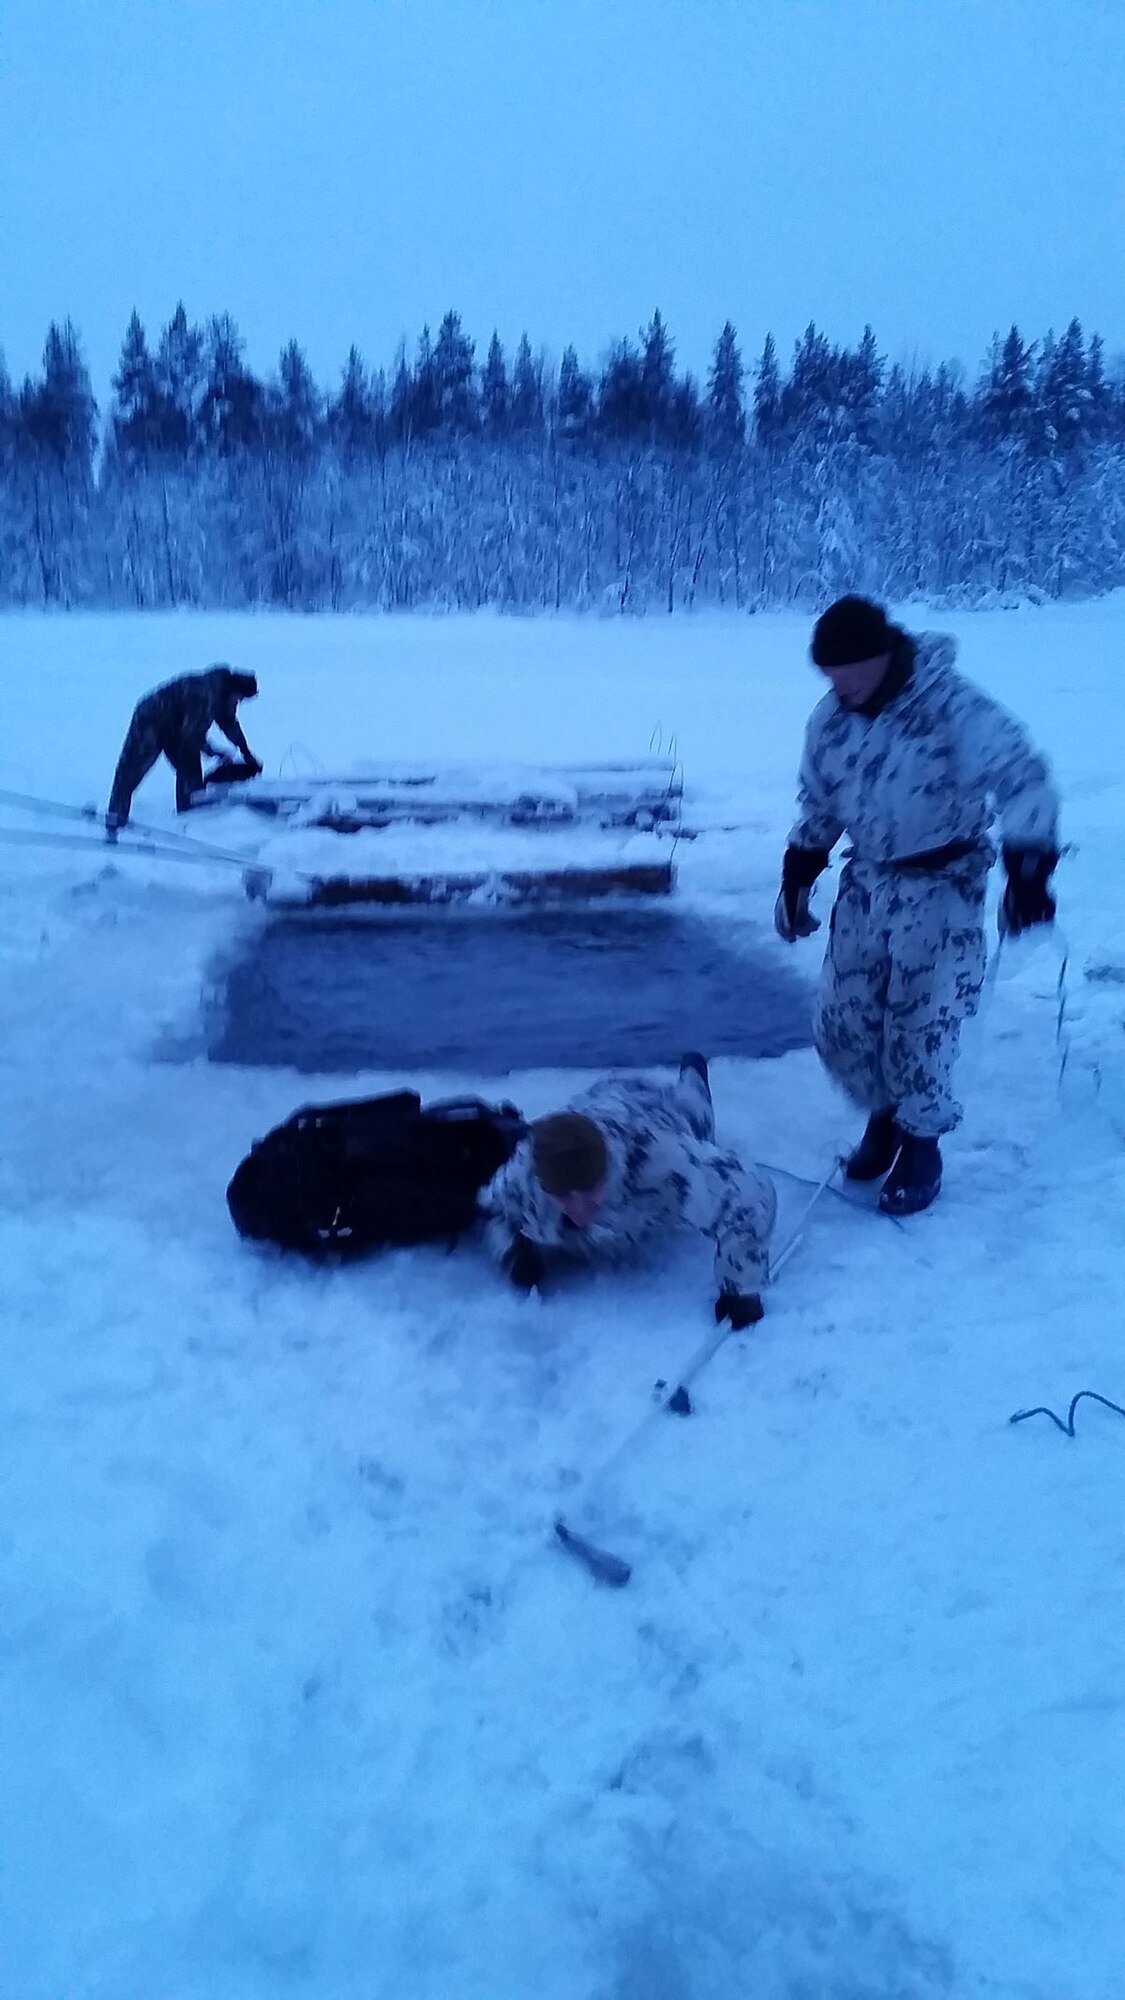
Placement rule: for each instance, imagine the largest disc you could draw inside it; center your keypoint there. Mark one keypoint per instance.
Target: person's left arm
(1000, 759)
(736, 1207)
(225, 719)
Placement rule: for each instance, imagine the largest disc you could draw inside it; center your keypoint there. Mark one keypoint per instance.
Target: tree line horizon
(634, 483)
(194, 387)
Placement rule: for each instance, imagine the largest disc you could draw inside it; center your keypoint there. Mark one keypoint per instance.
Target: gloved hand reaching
(792, 917)
(523, 1263)
(741, 1309)
(1027, 898)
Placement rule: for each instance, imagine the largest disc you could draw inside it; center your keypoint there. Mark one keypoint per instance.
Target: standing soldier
(913, 763)
(630, 1160)
(176, 719)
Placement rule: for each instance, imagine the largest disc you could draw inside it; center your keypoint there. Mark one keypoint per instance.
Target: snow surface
(296, 1695)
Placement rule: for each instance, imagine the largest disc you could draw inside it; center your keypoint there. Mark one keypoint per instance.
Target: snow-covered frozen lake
(296, 1695)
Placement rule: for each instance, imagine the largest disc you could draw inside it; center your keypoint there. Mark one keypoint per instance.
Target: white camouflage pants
(903, 969)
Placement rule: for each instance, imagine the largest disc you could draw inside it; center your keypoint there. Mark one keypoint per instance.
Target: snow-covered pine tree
(658, 377)
(574, 399)
(295, 406)
(352, 414)
(527, 392)
(1005, 398)
(1099, 395)
(7, 416)
(180, 383)
(495, 400)
(767, 395)
(400, 402)
(56, 432)
(231, 405)
(1062, 390)
(860, 382)
(60, 410)
(622, 403)
(458, 412)
(684, 424)
(425, 411)
(293, 434)
(726, 409)
(134, 415)
(810, 400)
(129, 490)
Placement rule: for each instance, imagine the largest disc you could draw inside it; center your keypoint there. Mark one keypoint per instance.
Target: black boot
(876, 1152)
(915, 1180)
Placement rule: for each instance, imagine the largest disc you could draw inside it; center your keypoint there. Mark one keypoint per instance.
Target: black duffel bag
(340, 1179)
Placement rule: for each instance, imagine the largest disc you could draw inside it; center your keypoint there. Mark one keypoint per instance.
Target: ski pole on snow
(603, 1565)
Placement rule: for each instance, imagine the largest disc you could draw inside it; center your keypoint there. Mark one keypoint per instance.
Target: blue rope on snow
(1067, 1428)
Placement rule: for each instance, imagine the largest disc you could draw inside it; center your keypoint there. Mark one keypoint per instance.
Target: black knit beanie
(568, 1153)
(851, 629)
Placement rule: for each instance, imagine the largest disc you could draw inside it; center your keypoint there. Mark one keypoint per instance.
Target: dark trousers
(143, 744)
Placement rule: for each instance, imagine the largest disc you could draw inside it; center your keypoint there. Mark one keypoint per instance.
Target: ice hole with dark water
(484, 994)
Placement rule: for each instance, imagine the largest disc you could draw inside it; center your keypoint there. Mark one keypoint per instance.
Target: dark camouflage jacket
(182, 711)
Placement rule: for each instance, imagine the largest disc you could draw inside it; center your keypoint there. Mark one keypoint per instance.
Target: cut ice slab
(459, 860)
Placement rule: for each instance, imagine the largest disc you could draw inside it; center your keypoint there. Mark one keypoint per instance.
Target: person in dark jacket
(175, 720)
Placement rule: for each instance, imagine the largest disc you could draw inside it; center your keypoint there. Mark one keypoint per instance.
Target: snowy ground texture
(296, 1696)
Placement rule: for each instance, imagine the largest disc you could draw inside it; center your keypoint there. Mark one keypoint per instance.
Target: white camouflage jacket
(665, 1172)
(937, 765)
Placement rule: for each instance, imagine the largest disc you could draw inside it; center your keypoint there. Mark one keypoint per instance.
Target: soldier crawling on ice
(913, 763)
(176, 719)
(631, 1159)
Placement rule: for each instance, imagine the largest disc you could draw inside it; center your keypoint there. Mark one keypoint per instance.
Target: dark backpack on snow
(340, 1179)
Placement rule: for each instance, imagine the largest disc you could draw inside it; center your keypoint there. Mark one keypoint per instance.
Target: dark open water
(487, 994)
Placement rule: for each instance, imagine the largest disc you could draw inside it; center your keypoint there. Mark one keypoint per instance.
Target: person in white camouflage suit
(914, 763)
(628, 1160)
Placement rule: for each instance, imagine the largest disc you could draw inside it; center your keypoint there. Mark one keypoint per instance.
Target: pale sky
(342, 170)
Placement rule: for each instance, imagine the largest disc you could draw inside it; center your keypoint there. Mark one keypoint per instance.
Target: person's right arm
(508, 1207)
(812, 837)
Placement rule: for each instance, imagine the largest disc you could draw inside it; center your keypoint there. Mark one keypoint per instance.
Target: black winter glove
(799, 870)
(1027, 899)
(742, 1311)
(523, 1263)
